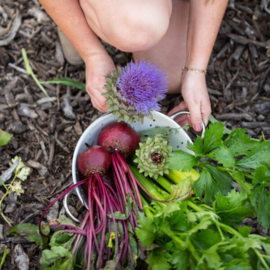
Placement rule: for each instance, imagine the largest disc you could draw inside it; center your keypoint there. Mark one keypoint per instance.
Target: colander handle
(65, 202)
(173, 116)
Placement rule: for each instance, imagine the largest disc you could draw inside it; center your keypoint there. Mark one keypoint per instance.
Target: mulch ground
(46, 132)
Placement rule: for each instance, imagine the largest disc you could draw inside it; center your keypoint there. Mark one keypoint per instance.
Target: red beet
(121, 137)
(94, 160)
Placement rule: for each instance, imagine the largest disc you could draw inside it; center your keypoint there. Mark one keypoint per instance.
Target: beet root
(120, 137)
(94, 160)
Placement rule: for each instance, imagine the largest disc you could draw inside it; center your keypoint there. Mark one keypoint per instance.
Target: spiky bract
(153, 156)
(135, 90)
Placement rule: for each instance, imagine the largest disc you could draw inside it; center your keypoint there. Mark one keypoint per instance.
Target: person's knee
(139, 32)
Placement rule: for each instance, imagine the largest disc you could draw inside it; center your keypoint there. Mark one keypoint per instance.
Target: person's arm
(69, 17)
(204, 22)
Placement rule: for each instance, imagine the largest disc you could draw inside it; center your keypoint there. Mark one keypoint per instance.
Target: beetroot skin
(94, 160)
(121, 137)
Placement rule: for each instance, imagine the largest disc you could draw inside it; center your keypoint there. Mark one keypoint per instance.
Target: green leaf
(29, 71)
(196, 147)
(180, 259)
(68, 82)
(180, 160)
(256, 157)
(23, 228)
(262, 176)
(213, 120)
(204, 223)
(212, 257)
(222, 178)
(260, 200)
(50, 256)
(31, 233)
(145, 231)
(207, 185)
(233, 208)
(239, 143)
(223, 156)
(158, 260)
(60, 238)
(245, 231)
(213, 137)
(26, 62)
(239, 178)
(4, 138)
(205, 239)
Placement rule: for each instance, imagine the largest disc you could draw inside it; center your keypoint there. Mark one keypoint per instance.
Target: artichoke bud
(153, 156)
(120, 106)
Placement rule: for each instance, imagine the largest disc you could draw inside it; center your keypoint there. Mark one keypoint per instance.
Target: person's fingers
(101, 106)
(206, 112)
(196, 118)
(181, 107)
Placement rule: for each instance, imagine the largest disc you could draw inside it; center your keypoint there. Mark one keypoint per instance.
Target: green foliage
(4, 138)
(222, 159)
(29, 71)
(68, 82)
(6, 251)
(31, 233)
(194, 236)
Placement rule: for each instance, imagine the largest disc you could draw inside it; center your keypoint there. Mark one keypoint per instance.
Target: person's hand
(196, 101)
(98, 67)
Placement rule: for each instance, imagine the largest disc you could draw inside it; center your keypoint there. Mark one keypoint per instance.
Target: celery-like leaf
(223, 156)
(233, 208)
(239, 143)
(180, 160)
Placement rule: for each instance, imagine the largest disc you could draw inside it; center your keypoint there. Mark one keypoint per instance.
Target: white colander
(178, 141)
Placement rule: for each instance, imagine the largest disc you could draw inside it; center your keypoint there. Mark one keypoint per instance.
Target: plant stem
(2, 214)
(6, 251)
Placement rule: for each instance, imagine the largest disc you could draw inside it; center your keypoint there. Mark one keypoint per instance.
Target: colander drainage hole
(151, 125)
(154, 120)
(177, 146)
(182, 143)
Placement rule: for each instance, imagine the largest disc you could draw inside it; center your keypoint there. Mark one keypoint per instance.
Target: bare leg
(127, 24)
(170, 53)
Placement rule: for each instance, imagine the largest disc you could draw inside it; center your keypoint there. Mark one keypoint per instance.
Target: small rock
(262, 107)
(260, 118)
(78, 129)
(21, 258)
(1, 232)
(43, 171)
(17, 127)
(53, 212)
(24, 110)
(43, 116)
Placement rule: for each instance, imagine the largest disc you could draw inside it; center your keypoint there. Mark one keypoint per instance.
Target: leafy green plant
(29, 71)
(21, 173)
(192, 235)
(222, 159)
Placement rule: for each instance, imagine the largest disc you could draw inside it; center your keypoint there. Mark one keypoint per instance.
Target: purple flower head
(142, 85)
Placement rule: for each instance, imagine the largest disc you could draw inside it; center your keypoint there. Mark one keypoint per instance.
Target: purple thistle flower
(142, 85)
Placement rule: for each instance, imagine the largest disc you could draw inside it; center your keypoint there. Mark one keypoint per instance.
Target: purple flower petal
(142, 85)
